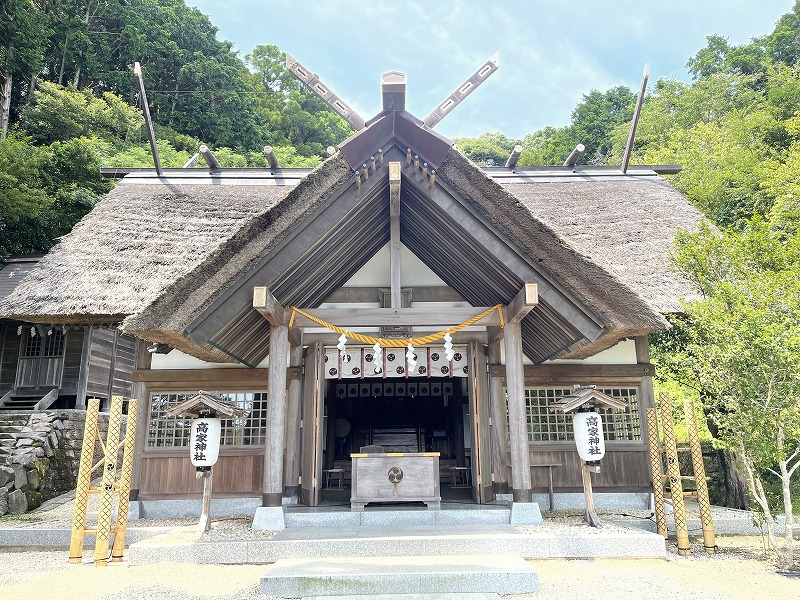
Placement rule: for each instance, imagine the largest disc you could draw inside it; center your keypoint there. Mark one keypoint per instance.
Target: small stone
(58, 424)
(17, 502)
(53, 439)
(6, 475)
(24, 442)
(3, 501)
(39, 452)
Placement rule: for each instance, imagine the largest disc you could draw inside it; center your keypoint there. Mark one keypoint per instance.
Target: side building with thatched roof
(318, 302)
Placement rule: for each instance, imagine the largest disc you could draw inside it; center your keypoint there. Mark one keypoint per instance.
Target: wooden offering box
(395, 477)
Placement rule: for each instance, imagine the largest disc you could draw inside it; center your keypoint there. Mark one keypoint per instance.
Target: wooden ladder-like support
(673, 475)
(111, 485)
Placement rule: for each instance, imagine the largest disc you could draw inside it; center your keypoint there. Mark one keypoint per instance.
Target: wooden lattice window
(174, 432)
(545, 425)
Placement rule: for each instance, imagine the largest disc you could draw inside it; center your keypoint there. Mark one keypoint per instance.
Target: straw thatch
(137, 241)
(606, 239)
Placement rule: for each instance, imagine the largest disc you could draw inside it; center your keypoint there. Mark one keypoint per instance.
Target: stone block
(27, 459)
(6, 475)
(53, 439)
(34, 499)
(34, 479)
(58, 424)
(3, 501)
(20, 476)
(17, 503)
(270, 518)
(526, 513)
(38, 452)
(24, 442)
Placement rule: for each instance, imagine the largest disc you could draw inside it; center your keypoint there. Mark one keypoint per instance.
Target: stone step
(372, 576)
(410, 540)
(344, 517)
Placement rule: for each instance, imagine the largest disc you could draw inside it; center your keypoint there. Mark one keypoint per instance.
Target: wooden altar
(395, 477)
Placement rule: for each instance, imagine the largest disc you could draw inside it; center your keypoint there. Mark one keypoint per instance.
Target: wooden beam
(266, 304)
(525, 301)
(137, 72)
(439, 293)
(384, 317)
(578, 372)
(394, 229)
(626, 156)
(211, 160)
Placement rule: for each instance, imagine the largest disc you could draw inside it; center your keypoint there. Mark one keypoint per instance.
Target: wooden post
(276, 416)
(658, 474)
(591, 516)
(84, 479)
(118, 549)
(707, 522)
(499, 412)
(291, 461)
(139, 393)
(205, 514)
(107, 485)
(674, 474)
(517, 417)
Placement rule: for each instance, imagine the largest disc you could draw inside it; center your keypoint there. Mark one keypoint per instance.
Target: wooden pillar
(499, 411)
(276, 416)
(647, 400)
(291, 461)
(139, 392)
(517, 417)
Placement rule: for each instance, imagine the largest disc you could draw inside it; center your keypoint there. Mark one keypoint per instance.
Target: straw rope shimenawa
(399, 343)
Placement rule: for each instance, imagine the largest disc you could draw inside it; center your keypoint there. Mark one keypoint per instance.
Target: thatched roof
(575, 223)
(156, 255)
(137, 241)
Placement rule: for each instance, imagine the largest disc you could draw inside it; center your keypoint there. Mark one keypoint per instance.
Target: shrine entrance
(397, 415)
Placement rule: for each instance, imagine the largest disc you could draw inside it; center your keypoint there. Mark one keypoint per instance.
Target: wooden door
(312, 419)
(481, 436)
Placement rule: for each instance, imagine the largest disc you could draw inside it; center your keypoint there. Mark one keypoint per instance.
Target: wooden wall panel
(626, 469)
(10, 356)
(100, 351)
(165, 475)
(73, 349)
(124, 365)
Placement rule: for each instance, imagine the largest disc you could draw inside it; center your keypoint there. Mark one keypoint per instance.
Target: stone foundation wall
(40, 455)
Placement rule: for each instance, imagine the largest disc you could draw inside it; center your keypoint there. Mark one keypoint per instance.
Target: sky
(551, 52)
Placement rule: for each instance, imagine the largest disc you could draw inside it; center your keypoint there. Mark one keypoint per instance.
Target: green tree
(488, 149)
(742, 347)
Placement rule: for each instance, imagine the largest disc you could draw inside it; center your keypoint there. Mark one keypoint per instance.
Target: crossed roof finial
(393, 86)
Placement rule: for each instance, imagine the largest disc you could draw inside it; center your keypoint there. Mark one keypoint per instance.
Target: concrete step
(371, 576)
(185, 546)
(344, 517)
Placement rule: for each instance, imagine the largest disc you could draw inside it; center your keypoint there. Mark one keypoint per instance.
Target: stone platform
(498, 574)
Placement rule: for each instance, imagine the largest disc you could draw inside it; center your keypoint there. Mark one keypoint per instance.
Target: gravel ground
(741, 570)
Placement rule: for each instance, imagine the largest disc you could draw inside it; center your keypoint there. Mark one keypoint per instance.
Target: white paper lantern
(588, 428)
(204, 448)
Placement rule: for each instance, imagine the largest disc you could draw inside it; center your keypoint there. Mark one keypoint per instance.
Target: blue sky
(551, 53)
